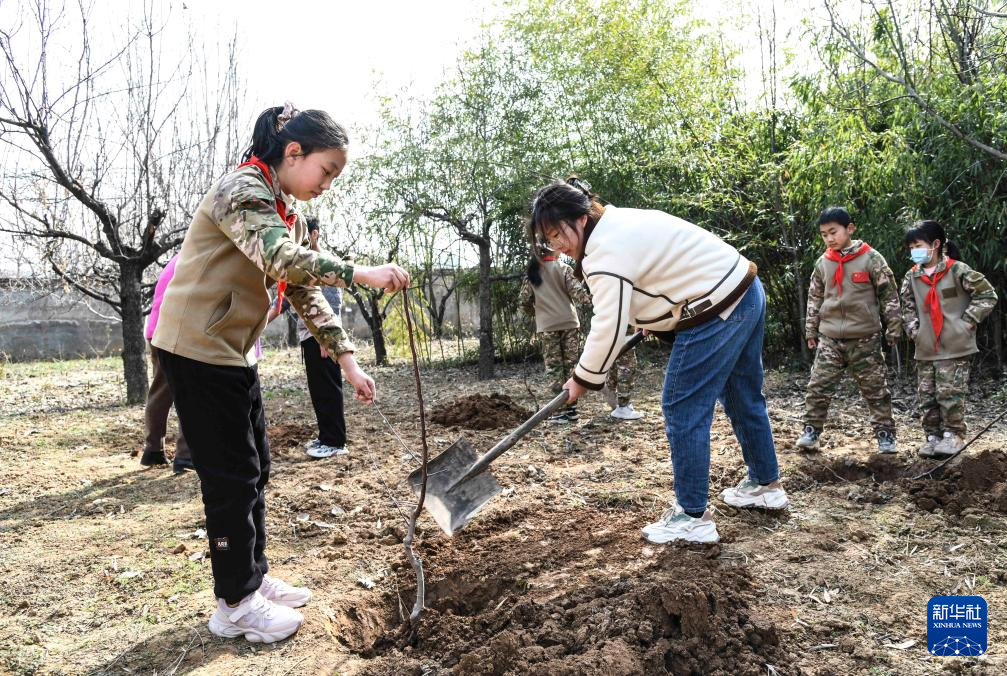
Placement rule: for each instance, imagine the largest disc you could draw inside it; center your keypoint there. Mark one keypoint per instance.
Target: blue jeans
(718, 360)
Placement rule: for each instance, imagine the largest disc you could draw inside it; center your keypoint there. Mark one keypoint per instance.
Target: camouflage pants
(621, 377)
(560, 350)
(865, 361)
(943, 385)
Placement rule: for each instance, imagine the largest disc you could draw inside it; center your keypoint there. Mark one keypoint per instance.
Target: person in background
(325, 378)
(852, 289)
(620, 384)
(548, 294)
(943, 301)
(159, 399)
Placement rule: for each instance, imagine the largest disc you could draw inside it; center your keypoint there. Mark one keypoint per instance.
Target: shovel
(458, 485)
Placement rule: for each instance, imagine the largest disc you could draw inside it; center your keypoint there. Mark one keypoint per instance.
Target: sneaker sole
(218, 628)
(312, 454)
(757, 502)
(699, 536)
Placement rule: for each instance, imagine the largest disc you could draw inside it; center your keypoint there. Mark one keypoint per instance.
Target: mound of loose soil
(682, 612)
(480, 412)
(976, 482)
(676, 617)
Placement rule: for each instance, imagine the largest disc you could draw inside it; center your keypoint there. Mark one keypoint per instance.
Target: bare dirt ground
(104, 571)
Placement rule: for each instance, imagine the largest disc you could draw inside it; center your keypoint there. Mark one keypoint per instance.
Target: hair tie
(580, 184)
(289, 111)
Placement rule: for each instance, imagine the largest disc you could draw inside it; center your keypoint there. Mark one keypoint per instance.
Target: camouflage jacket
(236, 248)
(885, 290)
(980, 301)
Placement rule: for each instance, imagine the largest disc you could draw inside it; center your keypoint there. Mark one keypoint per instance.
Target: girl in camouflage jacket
(243, 239)
(548, 294)
(943, 301)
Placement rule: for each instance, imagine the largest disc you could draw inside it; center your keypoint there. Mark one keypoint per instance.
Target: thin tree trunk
(801, 304)
(134, 345)
(376, 321)
(998, 338)
(486, 356)
(291, 330)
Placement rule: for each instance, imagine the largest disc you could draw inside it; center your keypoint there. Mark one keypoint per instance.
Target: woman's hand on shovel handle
(575, 389)
(363, 385)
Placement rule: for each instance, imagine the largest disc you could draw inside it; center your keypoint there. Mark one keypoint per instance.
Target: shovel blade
(450, 505)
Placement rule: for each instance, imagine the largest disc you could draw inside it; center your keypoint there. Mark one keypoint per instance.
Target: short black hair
(835, 215)
(312, 224)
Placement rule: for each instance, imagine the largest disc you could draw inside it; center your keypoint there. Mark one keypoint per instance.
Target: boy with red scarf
(943, 301)
(851, 288)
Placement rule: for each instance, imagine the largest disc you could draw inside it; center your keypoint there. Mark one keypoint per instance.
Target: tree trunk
(376, 322)
(802, 305)
(486, 356)
(134, 344)
(291, 330)
(436, 318)
(998, 338)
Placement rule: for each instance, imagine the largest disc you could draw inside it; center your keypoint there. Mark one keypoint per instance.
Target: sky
(340, 56)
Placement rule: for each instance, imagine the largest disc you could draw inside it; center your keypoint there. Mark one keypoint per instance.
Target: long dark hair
(563, 202)
(930, 232)
(534, 271)
(313, 129)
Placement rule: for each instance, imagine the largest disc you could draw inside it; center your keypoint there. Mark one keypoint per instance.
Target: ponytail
(280, 125)
(534, 271)
(952, 250)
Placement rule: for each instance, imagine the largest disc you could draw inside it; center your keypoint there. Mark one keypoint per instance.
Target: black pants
(325, 384)
(220, 411)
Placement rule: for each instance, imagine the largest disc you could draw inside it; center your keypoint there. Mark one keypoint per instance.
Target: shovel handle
(557, 403)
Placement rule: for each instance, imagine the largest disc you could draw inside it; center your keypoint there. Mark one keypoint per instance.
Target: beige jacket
(654, 271)
(235, 250)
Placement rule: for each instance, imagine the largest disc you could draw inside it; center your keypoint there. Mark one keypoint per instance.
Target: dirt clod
(977, 481)
(480, 412)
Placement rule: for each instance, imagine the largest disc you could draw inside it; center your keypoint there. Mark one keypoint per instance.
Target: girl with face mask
(943, 301)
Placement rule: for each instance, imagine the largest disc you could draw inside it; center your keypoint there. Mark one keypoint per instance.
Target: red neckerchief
(933, 299)
(548, 258)
(281, 210)
(833, 255)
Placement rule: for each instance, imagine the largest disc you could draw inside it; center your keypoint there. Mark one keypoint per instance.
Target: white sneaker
(949, 445)
(927, 449)
(626, 413)
(312, 443)
(279, 592)
(256, 618)
(675, 524)
(748, 493)
(320, 450)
